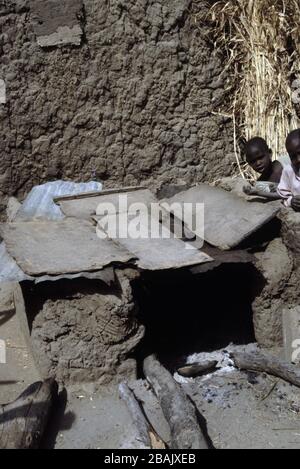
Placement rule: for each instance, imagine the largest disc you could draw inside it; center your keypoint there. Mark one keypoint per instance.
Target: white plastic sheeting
(39, 202)
(9, 270)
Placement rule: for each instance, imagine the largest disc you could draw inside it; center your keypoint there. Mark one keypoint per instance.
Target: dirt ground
(242, 410)
(245, 410)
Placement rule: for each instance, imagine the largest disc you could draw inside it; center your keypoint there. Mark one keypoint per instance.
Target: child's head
(293, 148)
(258, 154)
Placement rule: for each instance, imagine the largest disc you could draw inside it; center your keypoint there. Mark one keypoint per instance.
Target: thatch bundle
(261, 39)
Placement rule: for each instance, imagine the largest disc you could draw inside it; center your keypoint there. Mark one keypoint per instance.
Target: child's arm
(260, 193)
(284, 188)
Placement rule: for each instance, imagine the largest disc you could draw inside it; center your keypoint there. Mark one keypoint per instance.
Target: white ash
(223, 357)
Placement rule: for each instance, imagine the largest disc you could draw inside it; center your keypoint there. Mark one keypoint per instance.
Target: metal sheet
(11, 272)
(106, 275)
(60, 247)
(157, 253)
(228, 219)
(223, 257)
(86, 206)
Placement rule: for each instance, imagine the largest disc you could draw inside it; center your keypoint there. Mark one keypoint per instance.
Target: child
(289, 187)
(259, 157)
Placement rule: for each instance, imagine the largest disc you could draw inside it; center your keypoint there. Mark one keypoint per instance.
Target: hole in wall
(185, 314)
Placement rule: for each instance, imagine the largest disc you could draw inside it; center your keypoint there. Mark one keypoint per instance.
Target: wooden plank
(228, 219)
(60, 247)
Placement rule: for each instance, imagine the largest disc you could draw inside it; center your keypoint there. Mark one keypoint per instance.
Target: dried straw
(261, 39)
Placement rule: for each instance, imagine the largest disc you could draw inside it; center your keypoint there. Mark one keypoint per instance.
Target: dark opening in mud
(185, 313)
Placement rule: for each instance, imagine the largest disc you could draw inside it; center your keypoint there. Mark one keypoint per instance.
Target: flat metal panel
(159, 253)
(86, 206)
(228, 219)
(60, 247)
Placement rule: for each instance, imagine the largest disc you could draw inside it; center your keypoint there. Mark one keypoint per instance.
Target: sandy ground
(88, 420)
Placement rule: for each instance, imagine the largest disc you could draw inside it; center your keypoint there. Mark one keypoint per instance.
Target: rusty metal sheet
(60, 247)
(85, 205)
(228, 219)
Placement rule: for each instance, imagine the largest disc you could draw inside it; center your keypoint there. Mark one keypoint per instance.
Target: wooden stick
(147, 435)
(262, 362)
(196, 369)
(23, 422)
(178, 410)
(84, 195)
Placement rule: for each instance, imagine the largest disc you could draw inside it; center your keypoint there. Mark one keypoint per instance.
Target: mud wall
(134, 102)
(83, 330)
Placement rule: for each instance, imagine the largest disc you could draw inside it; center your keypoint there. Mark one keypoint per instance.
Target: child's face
(293, 149)
(259, 159)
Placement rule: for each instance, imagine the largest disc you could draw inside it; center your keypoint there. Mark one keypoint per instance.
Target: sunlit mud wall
(125, 91)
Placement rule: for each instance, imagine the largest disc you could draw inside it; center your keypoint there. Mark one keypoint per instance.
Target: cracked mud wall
(134, 103)
(276, 266)
(84, 331)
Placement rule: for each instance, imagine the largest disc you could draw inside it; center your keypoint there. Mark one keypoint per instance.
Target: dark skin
(259, 157)
(293, 148)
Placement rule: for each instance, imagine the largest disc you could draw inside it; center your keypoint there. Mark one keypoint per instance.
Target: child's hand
(249, 190)
(295, 204)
